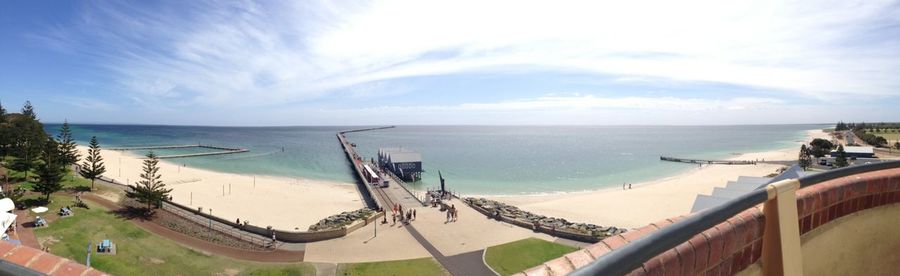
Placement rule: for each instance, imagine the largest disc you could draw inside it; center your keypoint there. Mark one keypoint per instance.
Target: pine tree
(804, 160)
(25, 138)
(67, 146)
(93, 163)
(2, 113)
(841, 160)
(150, 189)
(50, 171)
(28, 110)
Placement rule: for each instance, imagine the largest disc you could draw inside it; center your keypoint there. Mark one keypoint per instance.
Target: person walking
(414, 214)
(448, 216)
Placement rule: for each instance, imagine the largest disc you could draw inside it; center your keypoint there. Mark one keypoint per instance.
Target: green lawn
(424, 266)
(519, 255)
(141, 252)
(890, 136)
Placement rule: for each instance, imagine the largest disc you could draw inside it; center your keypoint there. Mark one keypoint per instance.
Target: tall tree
(2, 113)
(150, 189)
(4, 132)
(28, 110)
(804, 160)
(819, 147)
(26, 136)
(841, 160)
(51, 171)
(67, 145)
(93, 163)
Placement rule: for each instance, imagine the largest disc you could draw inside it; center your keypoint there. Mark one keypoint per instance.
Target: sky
(267, 63)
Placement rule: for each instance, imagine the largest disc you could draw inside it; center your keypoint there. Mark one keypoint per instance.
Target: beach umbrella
(39, 209)
(7, 205)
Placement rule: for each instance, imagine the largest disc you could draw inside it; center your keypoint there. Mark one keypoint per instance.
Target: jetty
(711, 162)
(376, 197)
(222, 150)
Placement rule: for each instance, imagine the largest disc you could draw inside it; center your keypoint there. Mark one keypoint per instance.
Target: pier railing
(217, 226)
(419, 196)
(781, 238)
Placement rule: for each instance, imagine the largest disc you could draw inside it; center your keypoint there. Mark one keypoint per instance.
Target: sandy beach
(284, 203)
(655, 200)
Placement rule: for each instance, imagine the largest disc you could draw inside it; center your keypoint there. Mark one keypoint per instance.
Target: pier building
(404, 163)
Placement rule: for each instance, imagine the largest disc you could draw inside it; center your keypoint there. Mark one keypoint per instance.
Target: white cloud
(250, 54)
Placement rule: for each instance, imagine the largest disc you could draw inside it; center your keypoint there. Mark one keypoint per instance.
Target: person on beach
(394, 218)
(629, 186)
(414, 214)
(237, 221)
(448, 216)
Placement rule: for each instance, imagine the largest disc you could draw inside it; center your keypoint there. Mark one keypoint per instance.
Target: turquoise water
(473, 159)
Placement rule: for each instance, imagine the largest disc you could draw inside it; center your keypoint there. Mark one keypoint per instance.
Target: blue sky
(452, 62)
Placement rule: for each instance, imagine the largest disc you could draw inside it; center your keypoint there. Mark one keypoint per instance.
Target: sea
(474, 160)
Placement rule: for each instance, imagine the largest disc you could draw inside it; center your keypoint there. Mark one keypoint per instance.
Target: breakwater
(559, 227)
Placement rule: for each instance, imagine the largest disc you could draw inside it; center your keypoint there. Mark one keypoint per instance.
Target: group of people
(623, 186)
(65, 211)
(452, 213)
(404, 217)
(436, 196)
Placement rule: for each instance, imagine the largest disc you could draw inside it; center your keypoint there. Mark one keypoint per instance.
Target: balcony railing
(781, 239)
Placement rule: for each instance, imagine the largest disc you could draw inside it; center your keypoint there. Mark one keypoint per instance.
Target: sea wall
(285, 235)
(281, 235)
(557, 227)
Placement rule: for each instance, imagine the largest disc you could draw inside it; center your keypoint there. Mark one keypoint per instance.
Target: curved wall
(736, 244)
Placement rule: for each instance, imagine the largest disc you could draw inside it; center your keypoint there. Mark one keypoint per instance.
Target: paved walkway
(459, 265)
(25, 228)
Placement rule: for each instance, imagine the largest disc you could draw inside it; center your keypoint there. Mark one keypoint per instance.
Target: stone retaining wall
(542, 229)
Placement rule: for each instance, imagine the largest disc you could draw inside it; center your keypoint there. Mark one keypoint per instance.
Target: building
(404, 163)
(858, 152)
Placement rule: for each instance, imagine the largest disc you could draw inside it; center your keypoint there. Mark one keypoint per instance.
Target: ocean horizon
(479, 159)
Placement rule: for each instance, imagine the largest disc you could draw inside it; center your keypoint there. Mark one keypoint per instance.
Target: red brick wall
(733, 245)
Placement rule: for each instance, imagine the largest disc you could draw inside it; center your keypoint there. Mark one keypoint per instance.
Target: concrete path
(460, 265)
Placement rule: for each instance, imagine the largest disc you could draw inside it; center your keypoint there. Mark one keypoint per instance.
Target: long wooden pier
(375, 197)
(366, 129)
(711, 162)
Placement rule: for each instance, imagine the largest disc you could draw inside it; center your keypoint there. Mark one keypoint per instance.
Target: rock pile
(496, 208)
(340, 220)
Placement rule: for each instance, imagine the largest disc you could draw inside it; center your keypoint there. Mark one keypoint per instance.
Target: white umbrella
(39, 209)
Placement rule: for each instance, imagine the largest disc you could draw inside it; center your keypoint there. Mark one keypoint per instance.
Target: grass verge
(138, 251)
(516, 256)
(424, 266)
